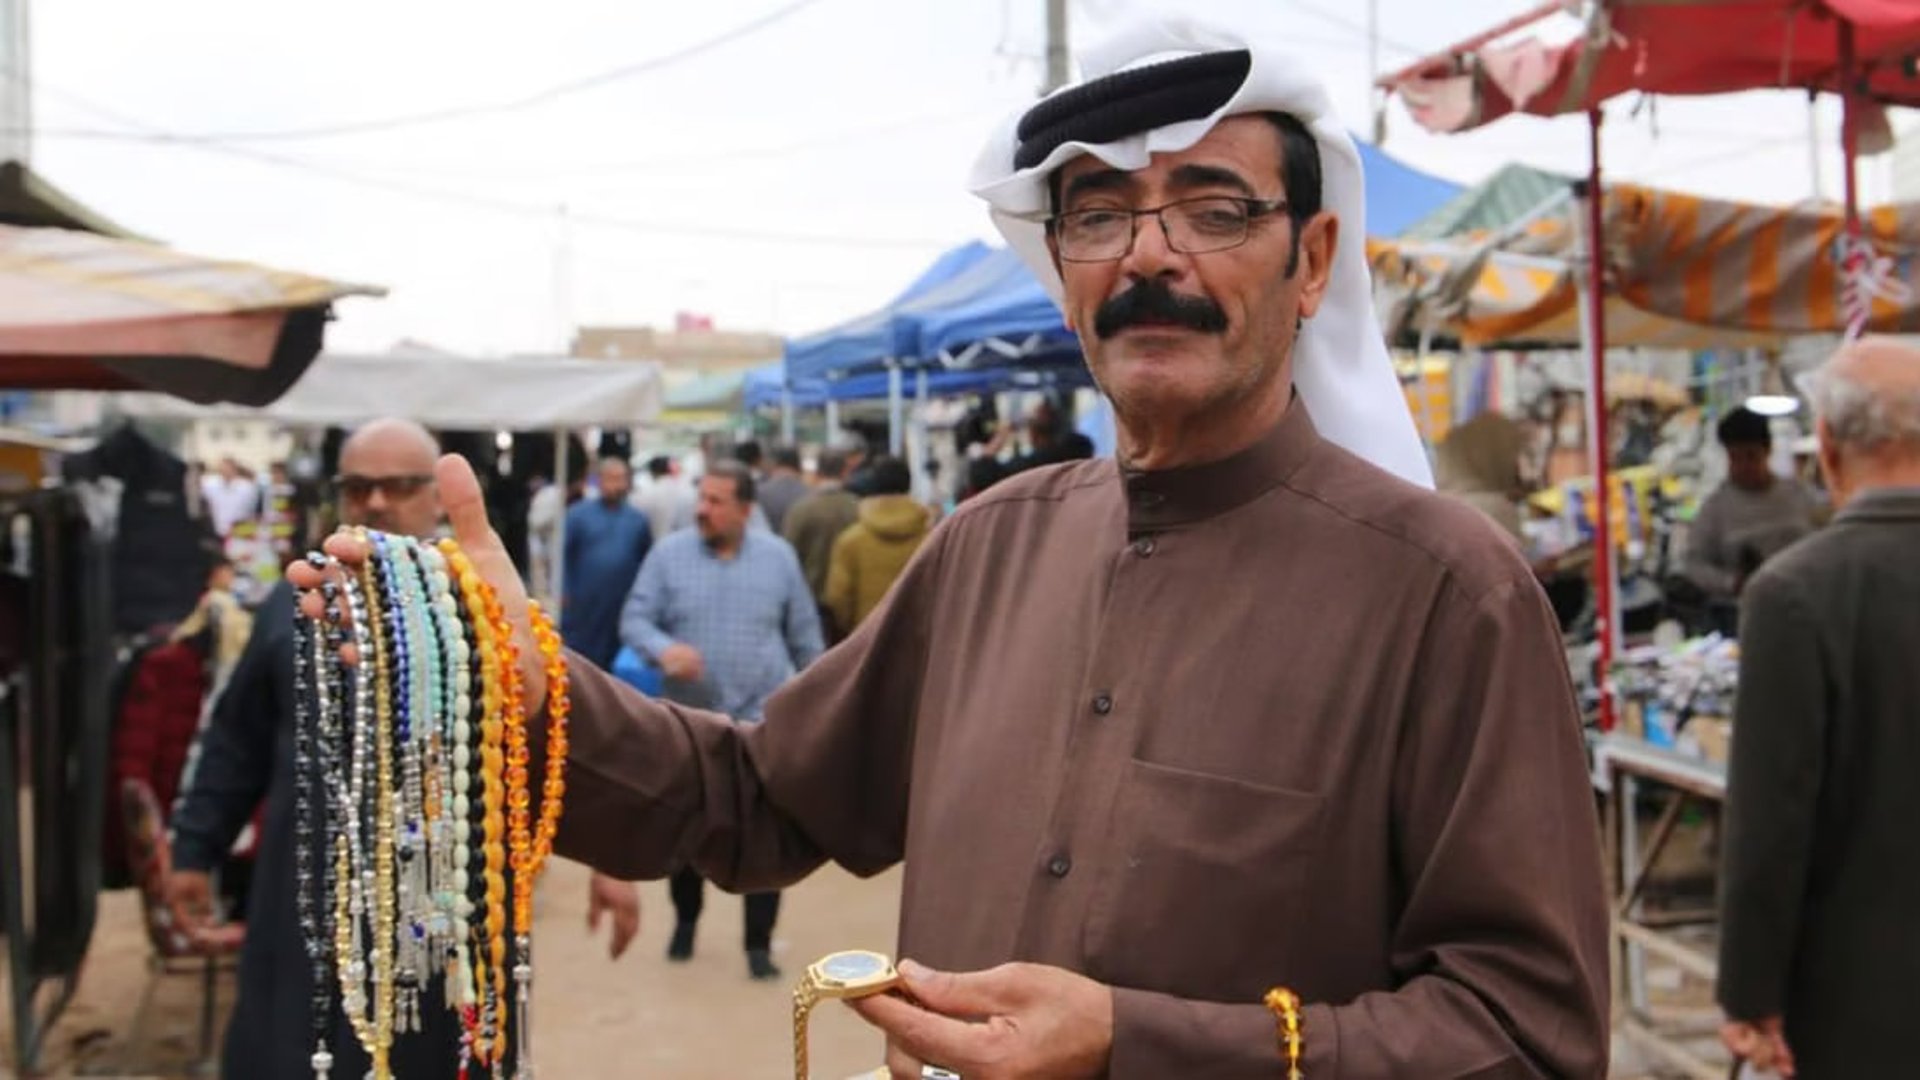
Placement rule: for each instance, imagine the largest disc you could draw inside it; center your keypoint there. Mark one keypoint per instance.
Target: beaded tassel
(417, 833)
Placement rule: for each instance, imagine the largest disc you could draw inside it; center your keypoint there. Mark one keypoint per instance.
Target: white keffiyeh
(1341, 367)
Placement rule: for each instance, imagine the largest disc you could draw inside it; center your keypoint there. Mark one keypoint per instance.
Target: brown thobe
(1278, 720)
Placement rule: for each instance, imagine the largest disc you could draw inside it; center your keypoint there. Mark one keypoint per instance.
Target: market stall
(79, 311)
(448, 393)
(1861, 49)
(1681, 1036)
(1720, 269)
(1683, 271)
(86, 311)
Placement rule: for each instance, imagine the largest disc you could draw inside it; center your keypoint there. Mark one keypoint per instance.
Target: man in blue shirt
(607, 540)
(726, 613)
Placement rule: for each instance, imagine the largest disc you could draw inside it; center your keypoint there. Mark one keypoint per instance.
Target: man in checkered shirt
(726, 613)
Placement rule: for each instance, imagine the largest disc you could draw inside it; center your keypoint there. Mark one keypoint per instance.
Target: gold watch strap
(804, 996)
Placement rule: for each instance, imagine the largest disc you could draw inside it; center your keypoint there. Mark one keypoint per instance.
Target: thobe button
(1059, 866)
(1143, 547)
(1103, 704)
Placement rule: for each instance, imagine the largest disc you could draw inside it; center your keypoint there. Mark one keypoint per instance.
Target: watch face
(853, 966)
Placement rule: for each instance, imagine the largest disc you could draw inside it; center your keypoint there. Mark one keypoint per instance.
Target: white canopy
(446, 392)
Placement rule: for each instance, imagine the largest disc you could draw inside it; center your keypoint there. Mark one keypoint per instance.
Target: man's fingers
(460, 497)
(1781, 1053)
(973, 993)
(303, 575)
(626, 926)
(900, 1064)
(346, 547)
(926, 1036)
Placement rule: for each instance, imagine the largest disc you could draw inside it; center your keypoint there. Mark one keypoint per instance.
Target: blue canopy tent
(1398, 195)
(864, 342)
(767, 387)
(1006, 318)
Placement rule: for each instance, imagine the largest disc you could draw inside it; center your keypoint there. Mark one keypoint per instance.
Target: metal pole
(1422, 427)
(1604, 588)
(1374, 92)
(16, 100)
(1858, 304)
(1058, 59)
(557, 558)
(833, 416)
(786, 415)
(895, 402)
(921, 435)
(1850, 127)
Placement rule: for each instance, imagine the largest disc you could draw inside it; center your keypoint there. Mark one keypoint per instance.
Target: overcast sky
(778, 164)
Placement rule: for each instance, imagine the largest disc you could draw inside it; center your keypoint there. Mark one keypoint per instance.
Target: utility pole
(1057, 57)
(16, 83)
(1374, 93)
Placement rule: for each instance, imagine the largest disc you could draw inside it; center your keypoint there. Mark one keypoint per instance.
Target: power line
(573, 216)
(1345, 22)
(502, 206)
(627, 165)
(461, 112)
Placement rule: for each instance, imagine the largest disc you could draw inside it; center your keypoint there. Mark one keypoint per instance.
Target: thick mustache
(1152, 301)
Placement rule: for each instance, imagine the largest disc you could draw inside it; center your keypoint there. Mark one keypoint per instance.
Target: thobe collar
(1170, 498)
(1882, 504)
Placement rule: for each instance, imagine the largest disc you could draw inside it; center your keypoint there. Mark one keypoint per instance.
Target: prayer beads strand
(416, 828)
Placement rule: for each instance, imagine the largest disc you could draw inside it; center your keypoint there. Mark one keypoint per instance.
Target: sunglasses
(361, 488)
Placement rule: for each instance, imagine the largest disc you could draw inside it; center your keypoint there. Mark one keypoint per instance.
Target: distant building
(690, 351)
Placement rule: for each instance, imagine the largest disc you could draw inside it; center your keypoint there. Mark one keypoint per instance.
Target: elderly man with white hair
(1820, 941)
(1244, 755)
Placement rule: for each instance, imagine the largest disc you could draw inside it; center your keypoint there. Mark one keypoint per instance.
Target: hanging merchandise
(415, 814)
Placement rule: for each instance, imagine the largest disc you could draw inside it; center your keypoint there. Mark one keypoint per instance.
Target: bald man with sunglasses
(245, 755)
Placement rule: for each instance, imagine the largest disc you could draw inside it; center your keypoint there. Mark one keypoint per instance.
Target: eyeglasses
(1191, 226)
(361, 488)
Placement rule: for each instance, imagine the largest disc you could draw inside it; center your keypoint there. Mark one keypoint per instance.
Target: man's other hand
(619, 899)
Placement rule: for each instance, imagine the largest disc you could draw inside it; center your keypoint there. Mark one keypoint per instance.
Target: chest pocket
(1201, 881)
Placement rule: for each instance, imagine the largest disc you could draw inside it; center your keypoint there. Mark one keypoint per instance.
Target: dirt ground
(639, 1017)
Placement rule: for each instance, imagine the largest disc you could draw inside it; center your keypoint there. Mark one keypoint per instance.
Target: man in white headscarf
(1241, 716)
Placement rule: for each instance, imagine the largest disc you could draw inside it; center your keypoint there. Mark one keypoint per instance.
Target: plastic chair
(150, 858)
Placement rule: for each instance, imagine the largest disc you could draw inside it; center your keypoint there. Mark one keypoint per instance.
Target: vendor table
(1630, 768)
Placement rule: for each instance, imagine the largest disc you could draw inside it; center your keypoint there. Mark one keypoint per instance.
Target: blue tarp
(1398, 194)
(866, 341)
(1003, 317)
(989, 293)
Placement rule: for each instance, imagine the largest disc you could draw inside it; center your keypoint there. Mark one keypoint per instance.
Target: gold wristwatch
(855, 973)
